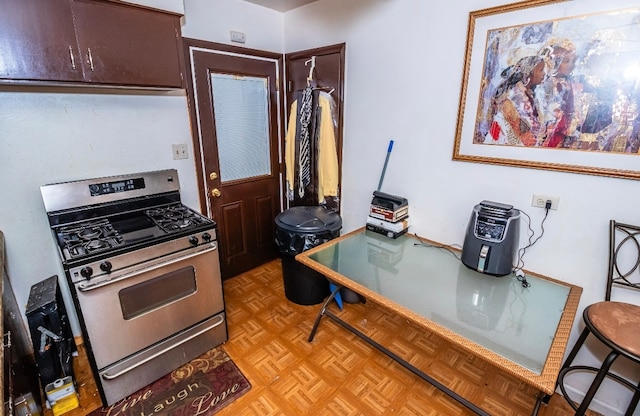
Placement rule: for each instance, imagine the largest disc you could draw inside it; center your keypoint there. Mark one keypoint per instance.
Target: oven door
(141, 369)
(150, 302)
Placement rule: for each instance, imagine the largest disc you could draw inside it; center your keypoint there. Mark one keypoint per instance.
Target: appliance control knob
(206, 237)
(106, 266)
(86, 272)
(193, 240)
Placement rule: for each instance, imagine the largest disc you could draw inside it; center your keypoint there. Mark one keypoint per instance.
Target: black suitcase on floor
(51, 335)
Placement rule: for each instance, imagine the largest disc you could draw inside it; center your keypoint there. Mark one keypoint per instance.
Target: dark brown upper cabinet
(38, 41)
(89, 42)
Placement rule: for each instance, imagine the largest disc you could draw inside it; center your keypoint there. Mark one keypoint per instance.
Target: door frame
(189, 45)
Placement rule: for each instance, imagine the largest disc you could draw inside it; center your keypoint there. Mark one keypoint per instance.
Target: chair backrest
(624, 256)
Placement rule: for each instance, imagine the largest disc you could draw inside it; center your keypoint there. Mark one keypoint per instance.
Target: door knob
(213, 176)
(216, 192)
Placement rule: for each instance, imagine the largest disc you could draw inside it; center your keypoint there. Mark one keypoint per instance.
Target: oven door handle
(107, 376)
(86, 287)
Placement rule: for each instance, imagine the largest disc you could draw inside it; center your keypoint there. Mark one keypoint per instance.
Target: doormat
(201, 387)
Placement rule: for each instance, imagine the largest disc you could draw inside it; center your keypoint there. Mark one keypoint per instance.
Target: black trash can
(299, 229)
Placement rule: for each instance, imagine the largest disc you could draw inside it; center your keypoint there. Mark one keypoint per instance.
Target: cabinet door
(37, 41)
(125, 45)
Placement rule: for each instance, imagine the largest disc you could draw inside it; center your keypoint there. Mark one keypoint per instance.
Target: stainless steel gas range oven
(144, 274)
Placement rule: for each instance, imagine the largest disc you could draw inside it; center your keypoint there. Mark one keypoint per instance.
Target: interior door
(236, 102)
(323, 68)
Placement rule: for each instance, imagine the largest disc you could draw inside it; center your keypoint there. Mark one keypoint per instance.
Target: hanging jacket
(327, 154)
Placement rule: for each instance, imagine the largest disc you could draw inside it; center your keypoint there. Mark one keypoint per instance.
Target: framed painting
(553, 84)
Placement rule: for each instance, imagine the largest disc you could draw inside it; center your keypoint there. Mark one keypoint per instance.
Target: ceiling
(281, 5)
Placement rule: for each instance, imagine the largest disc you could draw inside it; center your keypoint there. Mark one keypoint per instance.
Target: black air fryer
(492, 237)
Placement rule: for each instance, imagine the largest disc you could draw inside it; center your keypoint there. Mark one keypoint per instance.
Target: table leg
(396, 358)
(323, 311)
(540, 398)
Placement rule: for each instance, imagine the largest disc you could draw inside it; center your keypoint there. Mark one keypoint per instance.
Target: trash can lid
(309, 220)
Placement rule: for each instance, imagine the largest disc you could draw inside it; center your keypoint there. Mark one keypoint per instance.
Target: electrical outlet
(540, 201)
(180, 151)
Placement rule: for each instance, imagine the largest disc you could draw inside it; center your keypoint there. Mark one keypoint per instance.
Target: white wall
(174, 6)
(51, 135)
(403, 76)
(213, 20)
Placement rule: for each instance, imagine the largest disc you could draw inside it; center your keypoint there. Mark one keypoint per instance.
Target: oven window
(149, 295)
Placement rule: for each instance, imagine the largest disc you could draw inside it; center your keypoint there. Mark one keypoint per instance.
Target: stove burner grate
(90, 233)
(174, 218)
(88, 238)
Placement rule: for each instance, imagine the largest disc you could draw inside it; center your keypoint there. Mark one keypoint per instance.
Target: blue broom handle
(386, 161)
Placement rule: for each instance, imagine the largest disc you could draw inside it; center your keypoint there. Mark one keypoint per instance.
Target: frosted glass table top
(524, 330)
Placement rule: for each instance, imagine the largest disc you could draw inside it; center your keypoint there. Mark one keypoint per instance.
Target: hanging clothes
(320, 131)
(303, 118)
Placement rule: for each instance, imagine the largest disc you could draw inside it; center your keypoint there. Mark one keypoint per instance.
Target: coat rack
(311, 81)
(313, 67)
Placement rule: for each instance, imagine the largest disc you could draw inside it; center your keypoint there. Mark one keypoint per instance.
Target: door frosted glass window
(242, 126)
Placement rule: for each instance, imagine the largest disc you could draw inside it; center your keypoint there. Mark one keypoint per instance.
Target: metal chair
(615, 324)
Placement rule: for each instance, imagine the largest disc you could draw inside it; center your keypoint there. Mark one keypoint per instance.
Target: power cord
(441, 246)
(521, 252)
(522, 279)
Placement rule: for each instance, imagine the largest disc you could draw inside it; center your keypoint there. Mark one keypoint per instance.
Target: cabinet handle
(90, 59)
(73, 61)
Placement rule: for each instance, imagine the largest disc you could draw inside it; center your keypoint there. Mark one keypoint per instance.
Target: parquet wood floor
(339, 374)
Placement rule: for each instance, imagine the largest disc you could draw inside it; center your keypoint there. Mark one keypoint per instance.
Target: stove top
(96, 236)
(100, 218)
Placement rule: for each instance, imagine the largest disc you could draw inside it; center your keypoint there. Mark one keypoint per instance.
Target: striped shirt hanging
(304, 161)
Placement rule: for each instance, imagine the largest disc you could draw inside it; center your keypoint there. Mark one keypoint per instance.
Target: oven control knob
(193, 240)
(86, 272)
(106, 266)
(206, 237)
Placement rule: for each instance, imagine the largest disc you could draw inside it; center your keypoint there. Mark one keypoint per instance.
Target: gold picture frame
(553, 85)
